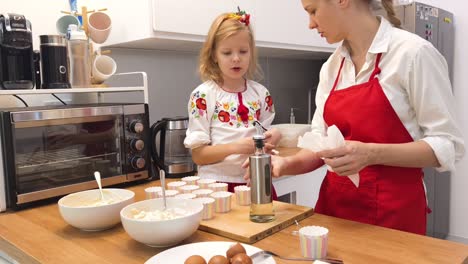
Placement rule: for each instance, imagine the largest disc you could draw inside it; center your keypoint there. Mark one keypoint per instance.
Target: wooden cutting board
(236, 224)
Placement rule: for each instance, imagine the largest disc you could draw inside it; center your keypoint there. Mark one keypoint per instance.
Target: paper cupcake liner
(242, 195)
(203, 192)
(218, 187)
(185, 196)
(152, 192)
(313, 241)
(191, 179)
(175, 185)
(222, 201)
(203, 183)
(188, 188)
(169, 193)
(208, 207)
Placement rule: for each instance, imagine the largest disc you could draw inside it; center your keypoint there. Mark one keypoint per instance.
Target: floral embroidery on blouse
(226, 112)
(198, 105)
(269, 103)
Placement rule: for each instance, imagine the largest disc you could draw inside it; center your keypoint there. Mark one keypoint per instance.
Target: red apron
(387, 196)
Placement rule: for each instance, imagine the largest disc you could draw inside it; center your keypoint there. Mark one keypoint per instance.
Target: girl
(222, 109)
(389, 93)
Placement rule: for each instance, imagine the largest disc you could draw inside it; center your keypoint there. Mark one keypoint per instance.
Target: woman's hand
(349, 159)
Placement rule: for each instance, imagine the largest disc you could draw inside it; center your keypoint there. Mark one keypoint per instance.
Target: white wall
(42, 15)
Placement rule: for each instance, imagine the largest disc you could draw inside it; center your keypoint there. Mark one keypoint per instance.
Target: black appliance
(16, 53)
(168, 150)
(54, 62)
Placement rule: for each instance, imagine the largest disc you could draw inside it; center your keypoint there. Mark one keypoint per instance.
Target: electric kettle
(167, 147)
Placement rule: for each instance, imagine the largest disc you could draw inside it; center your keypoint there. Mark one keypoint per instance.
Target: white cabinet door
(285, 22)
(279, 25)
(192, 17)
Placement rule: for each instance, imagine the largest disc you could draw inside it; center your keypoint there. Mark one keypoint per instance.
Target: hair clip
(242, 16)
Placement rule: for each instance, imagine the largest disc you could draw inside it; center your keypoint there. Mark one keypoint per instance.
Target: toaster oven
(52, 151)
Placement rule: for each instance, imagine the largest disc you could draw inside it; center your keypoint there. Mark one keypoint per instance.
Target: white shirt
(415, 80)
(224, 125)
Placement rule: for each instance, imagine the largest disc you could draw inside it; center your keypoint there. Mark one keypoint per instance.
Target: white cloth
(317, 142)
(415, 80)
(202, 131)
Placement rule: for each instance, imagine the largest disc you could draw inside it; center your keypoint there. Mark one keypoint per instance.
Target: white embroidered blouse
(213, 120)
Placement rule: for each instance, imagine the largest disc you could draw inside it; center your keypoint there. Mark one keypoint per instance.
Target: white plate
(178, 255)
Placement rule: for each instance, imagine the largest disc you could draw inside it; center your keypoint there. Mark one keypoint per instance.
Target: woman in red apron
(377, 200)
(380, 88)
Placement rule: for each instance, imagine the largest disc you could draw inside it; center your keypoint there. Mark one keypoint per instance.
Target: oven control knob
(137, 144)
(137, 126)
(138, 162)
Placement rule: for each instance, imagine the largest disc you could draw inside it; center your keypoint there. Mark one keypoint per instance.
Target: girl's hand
(270, 142)
(245, 146)
(269, 147)
(268, 136)
(349, 159)
(246, 165)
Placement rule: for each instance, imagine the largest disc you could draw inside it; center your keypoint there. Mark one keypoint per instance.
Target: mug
(103, 67)
(64, 21)
(99, 27)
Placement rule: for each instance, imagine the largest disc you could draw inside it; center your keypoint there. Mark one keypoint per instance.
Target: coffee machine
(16, 52)
(168, 150)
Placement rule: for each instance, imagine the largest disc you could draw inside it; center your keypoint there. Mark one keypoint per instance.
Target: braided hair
(391, 16)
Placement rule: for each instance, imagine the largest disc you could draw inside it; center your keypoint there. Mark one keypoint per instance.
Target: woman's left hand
(349, 159)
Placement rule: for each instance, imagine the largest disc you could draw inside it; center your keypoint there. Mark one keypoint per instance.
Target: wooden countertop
(39, 235)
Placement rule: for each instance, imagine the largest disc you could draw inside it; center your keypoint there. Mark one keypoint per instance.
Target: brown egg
(241, 258)
(218, 259)
(234, 250)
(195, 259)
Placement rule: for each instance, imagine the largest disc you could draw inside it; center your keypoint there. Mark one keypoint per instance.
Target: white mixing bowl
(161, 232)
(86, 211)
(290, 133)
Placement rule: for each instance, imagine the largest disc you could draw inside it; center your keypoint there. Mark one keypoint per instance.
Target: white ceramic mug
(103, 68)
(64, 21)
(99, 27)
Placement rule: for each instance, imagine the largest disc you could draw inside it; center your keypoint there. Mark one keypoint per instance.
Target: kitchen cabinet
(280, 27)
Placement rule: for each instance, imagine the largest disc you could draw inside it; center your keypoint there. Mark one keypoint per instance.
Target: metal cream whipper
(261, 208)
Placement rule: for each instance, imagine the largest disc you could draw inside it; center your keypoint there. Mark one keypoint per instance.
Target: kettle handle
(158, 158)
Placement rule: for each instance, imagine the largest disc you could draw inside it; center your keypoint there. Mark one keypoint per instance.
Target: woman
(388, 91)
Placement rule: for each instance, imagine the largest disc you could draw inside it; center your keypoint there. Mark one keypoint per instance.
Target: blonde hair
(223, 27)
(391, 16)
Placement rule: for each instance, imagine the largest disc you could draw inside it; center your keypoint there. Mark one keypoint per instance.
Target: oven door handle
(158, 155)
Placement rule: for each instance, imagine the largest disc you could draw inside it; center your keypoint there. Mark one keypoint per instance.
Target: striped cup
(313, 241)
